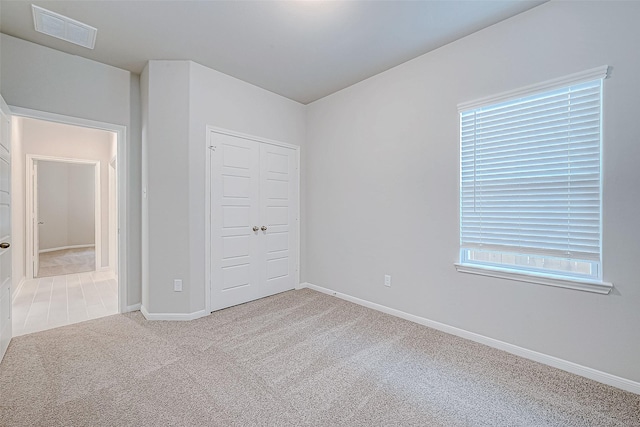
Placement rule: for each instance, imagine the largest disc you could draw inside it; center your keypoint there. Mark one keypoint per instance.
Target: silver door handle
(263, 228)
(255, 228)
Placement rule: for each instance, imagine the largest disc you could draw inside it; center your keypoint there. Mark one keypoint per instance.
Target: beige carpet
(297, 358)
(66, 261)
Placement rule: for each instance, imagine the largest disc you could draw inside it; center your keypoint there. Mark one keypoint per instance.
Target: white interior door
(5, 229)
(235, 211)
(254, 190)
(278, 206)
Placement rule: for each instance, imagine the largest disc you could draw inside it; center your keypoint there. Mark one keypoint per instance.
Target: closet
(254, 192)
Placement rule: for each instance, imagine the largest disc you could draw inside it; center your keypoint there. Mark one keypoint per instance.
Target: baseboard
(62, 248)
(173, 316)
(15, 293)
(565, 365)
(134, 307)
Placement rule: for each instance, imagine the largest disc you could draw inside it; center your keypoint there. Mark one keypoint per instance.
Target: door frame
(6, 289)
(31, 192)
(33, 261)
(122, 183)
(209, 146)
(113, 215)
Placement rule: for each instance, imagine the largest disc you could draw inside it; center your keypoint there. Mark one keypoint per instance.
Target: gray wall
(81, 202)
(179, 99)
(134, 201)
(53, 205)
(382, 185)
(166, 178)
(66, 204)
(47, 80)
(144, 175)
(225, 102)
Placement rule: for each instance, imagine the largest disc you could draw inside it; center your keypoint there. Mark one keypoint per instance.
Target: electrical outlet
(177, 285)
(387, 280)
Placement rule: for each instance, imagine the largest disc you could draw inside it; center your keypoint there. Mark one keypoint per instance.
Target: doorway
(64, 215)
(70, 269)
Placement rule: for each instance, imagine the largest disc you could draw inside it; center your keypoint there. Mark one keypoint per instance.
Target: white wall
(182, 99)
(144, 182)
(382, 185)
(47, 80)
(17, 207)
(53, 205)
(113, 204)
(81, 190)
(44, 138)
(113, 146)
(66, 204)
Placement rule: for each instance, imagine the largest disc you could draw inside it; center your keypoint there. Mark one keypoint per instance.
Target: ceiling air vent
(67, 29)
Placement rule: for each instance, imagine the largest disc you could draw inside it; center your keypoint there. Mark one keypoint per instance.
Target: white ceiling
(303, 50)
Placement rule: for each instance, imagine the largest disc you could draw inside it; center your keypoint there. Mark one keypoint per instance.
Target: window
(530, 183)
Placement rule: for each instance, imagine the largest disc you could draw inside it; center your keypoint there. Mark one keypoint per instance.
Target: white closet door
(278, 213)
(237, 255)
(254, 204)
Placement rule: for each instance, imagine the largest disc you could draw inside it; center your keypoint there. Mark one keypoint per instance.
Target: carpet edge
(565, 365)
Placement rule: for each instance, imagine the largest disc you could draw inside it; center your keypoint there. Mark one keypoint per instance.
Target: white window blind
(530, 193)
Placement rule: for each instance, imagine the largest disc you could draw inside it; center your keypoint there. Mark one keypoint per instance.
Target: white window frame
(595, 284)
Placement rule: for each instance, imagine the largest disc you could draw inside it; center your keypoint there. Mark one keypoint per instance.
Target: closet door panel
(236, 249)
(278, 211)
(254, 219)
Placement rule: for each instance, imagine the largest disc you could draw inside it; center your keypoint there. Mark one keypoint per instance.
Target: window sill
(580, 285)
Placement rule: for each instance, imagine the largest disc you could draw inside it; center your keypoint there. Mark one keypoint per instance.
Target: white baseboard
(15, 293)
(134, 307)
(173, 316)
(565, 365)
(62, 248)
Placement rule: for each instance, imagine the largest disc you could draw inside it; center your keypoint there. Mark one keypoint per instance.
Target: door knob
(263, 228)
(255, 228)
(4, 245)
(41, 223)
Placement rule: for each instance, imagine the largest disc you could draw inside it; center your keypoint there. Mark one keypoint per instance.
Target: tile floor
(50, 302)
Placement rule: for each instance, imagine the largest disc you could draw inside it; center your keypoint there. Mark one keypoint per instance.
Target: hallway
(50, 302)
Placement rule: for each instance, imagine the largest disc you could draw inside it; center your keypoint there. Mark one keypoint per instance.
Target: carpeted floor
(66, 261)
(297, 358)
